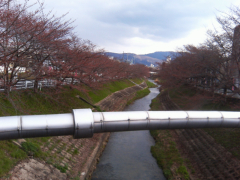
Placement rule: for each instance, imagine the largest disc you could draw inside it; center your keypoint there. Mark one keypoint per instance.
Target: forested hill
(147, 59)
(160, 54)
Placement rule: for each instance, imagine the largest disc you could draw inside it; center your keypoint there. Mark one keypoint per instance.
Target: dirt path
(209, 159)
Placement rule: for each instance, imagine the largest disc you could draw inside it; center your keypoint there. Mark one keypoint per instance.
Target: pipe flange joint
(83, 123)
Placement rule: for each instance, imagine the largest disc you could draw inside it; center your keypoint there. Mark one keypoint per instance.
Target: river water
(127, 154)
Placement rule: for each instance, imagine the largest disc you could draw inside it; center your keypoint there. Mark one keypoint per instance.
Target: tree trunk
(225, 90)
(36, 85)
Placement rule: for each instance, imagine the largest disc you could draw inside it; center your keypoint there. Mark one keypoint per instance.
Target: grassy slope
(47, 102)
(143, 92)
(109, 88)
(192, 100)
(150, 84)
(50, 101)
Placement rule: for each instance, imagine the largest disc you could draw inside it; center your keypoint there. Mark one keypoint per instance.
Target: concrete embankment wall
(77, 156)
(118, 100)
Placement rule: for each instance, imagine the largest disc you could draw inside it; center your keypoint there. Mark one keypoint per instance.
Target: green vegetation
(183, 171)
(150, 84)
(166, 153)
(139, 94)
(228, 138)
(63, 169)
(143, 92)
(75, 152)
(109, 88)
(10, 154)
(31, 148)
(48, 101)
(156, 104)
(182, 95)
(165, 150)
(190, 99)
(137, 81)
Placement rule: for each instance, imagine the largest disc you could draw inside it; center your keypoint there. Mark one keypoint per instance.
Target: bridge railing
(83, 123)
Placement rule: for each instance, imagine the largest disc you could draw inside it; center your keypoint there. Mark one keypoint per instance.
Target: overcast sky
(141, 26)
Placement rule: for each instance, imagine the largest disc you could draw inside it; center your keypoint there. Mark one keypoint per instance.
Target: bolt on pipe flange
(83, 123)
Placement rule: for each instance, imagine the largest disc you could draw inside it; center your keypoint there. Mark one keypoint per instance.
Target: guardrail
(83, 123)
(28, 84)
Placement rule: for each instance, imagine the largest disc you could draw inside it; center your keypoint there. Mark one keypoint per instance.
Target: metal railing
(83, 123)
(29, 84)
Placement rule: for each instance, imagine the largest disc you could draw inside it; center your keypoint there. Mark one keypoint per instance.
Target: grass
(190, 99)
(156, 104)
(63, 169)
(209, 105)
(109, 88)
(137, 81)
(182, 96)
(60, 149)
(31, 148)
(150, 84)
(186, 98)
(48, 101)
(10, 154)
(75, 152)
(165, 150)
(139, 94)
(167, 155)
(228, 138)
(183, 171)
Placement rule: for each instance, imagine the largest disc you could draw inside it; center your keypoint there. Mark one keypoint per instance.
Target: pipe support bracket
(83, 123)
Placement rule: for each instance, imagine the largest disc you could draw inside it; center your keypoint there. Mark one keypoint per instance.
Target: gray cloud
(111, 22)
(162, 20)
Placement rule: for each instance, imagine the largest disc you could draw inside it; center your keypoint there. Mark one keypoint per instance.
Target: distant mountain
(146, 59)
(162, 55)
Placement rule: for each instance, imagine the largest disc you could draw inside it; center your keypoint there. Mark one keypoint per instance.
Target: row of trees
(214, 64)
(36, 45)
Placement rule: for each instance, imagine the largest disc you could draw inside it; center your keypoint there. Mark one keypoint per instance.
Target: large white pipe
(83, 123)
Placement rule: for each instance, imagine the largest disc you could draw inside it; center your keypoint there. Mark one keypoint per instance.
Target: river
(127, 154)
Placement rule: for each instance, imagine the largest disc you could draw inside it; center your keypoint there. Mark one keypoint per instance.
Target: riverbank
(63, 154)
(201, 154)
(165, 150)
